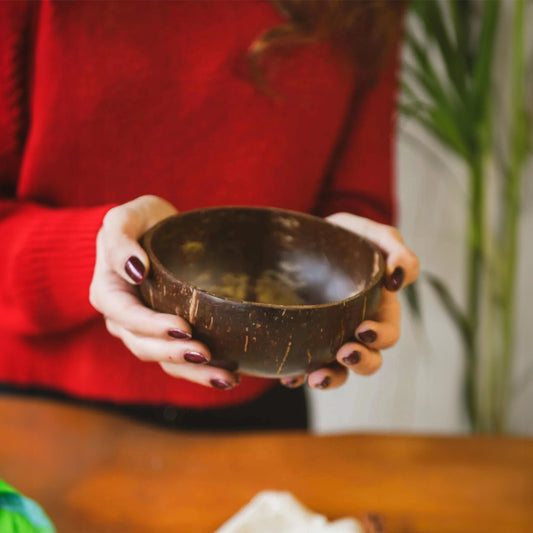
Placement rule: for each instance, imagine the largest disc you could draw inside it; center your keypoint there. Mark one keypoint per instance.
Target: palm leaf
(442, 129)
(479, 96)
(461, 16)
(432, 17)
(436, 88)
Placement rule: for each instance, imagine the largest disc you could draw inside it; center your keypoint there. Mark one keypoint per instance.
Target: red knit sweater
(101, 102)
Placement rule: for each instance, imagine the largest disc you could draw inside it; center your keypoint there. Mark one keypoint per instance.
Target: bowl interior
(267, 256)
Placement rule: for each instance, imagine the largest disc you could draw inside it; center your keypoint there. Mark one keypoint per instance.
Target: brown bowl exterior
(262, 340)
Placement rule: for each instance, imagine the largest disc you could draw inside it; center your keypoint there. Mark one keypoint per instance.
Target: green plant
(448, 90)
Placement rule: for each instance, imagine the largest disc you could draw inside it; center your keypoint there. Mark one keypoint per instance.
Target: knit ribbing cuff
(52, 266)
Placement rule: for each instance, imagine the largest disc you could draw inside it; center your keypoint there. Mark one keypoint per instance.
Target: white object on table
(281, 512)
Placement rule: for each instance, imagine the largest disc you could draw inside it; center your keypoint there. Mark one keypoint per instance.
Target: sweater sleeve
(47, 254)
(47, 262)
(361, 177)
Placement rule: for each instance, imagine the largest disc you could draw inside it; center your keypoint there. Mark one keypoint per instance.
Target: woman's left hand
(382, 329)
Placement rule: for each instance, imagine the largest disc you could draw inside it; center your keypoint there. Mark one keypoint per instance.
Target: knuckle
(145, 204)
(171, 369)
(93, 296)
(137, 349)
(104, 247)
(140, 354)
(111, 327)
(149, 198)
(114, 223)
(110, 217)
(100, 239)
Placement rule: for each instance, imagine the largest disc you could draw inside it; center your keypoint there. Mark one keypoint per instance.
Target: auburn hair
(362, 31)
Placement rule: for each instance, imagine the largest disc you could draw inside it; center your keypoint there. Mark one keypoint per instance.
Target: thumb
(121, 229)
(402, 265)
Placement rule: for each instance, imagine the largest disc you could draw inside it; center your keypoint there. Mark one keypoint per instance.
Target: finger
(158, 350)
(360, 359)
(209, 376)
(327, 377)
(123, 226)
(123, 254)
(402, 264)
(293, 382)
(402, 268)
(122, 306)
(383, 331)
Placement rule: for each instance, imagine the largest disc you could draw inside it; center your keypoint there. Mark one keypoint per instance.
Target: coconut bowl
(271, 292)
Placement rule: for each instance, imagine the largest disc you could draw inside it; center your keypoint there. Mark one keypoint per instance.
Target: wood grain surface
(98, 473)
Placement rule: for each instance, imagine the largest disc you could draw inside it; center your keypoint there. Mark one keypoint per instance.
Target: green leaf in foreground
(19, 514)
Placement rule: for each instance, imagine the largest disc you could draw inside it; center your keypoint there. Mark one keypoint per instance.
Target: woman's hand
(382, 329)
(151, 336)
(166, 339)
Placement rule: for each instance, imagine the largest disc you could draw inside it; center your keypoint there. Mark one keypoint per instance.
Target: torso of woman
(105, 101)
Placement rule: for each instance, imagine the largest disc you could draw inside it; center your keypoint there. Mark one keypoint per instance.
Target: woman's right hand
(121, 264)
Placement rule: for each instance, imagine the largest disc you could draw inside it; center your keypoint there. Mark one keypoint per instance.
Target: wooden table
(97, 473)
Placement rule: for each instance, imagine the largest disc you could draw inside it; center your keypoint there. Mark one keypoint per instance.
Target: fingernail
(134, 269)
(291, 382)
(179, 334)
(195, 357)
(353, 358)
(395, 280)
(324, 384)
(221, 384)
(368, 335)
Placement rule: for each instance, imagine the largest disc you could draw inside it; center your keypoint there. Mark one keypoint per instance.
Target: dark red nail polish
(195, 357)
(179, 334)
(353, 358)
(221, 384)
(395, 281)
(324, 384)
(368, 335)
(135, 269)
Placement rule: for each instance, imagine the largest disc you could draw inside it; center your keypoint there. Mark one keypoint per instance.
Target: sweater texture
(101, 102)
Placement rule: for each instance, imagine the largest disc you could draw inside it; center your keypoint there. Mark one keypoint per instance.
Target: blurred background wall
(419, 385)
(418, 388)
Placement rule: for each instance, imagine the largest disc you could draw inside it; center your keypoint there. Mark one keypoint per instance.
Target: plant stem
(475, 273)
(518, 142)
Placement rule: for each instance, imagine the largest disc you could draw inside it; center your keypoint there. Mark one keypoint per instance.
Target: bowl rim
(146, 244)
